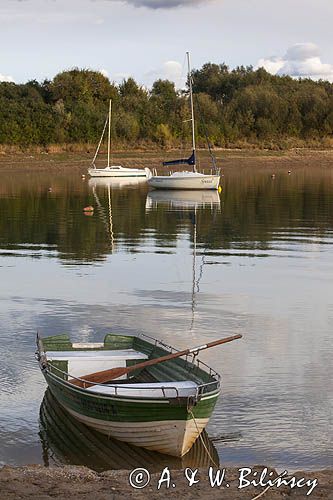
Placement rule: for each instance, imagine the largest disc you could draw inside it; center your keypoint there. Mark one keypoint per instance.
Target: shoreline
(37, 481)
(227, 159)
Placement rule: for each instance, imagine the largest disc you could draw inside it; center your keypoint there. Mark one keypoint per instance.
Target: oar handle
(214, 343)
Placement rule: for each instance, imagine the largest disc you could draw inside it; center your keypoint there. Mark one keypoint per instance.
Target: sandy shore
(226, 159)
(68, 482)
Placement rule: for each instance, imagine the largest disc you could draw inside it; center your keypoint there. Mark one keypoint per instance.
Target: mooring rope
(202, 441)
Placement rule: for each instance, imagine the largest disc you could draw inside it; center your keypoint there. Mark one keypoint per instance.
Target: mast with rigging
(192, 108)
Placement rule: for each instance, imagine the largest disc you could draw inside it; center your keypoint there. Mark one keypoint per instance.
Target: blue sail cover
(183, 161)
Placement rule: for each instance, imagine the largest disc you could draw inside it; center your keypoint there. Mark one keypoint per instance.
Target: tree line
(235, 106)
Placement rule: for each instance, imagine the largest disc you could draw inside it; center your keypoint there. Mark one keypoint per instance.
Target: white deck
(98, 355)
(118, 171)
(82, 363)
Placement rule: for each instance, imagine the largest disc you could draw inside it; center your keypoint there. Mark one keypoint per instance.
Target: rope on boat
(202, 441)
(100, 142)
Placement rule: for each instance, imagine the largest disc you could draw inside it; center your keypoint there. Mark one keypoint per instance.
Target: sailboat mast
(192, 108)
(109, 133)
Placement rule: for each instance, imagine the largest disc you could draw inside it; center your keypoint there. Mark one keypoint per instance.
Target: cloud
(272, 65)
(170, 70)
(302, 52)
(302, 60)
(164, 4)
(6, 78)
(120, 77)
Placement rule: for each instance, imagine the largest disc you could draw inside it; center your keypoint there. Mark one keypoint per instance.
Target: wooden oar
(113, 373)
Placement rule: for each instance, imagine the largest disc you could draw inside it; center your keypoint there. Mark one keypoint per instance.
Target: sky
(147, 39)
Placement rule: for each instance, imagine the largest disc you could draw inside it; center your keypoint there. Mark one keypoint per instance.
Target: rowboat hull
(165, 425)
(171, 437)
(65, 440)
(189, 181)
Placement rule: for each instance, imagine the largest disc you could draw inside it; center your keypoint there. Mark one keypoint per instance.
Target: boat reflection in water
(67, 441)
(190, 203)
(186, 200)
(116, 182)
(107, 184)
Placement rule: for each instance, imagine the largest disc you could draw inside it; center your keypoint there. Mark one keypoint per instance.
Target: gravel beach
(39, 482)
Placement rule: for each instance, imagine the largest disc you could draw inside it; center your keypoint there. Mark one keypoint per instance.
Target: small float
(89, 208)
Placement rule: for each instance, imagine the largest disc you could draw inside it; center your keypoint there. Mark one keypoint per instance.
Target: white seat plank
(95, 355)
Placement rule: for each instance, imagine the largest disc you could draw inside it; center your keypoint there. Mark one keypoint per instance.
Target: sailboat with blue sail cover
(187, 179)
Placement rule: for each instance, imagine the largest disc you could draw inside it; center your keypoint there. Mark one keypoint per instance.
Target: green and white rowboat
(162, 407)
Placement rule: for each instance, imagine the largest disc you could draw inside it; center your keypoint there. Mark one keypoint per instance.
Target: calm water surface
(187, 268)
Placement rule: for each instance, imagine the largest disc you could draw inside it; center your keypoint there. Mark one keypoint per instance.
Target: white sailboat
(114, 170)
(186, 179)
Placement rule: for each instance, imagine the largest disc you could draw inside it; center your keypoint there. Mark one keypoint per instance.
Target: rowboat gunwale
(132, 399)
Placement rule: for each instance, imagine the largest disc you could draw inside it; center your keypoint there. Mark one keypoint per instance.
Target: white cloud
(302, 60)
(302, 52)
(310, 68)
(170, 70)
(6, 78)
(272, 65)
(119, 77)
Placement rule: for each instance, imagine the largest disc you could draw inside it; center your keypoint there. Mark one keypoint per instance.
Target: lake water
(186, 268)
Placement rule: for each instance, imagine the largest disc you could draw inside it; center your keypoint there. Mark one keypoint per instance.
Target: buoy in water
(83, 176)
(219, 189)
(273, 176)
(88, 209)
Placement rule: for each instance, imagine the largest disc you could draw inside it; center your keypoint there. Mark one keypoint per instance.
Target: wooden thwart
(114, 373)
